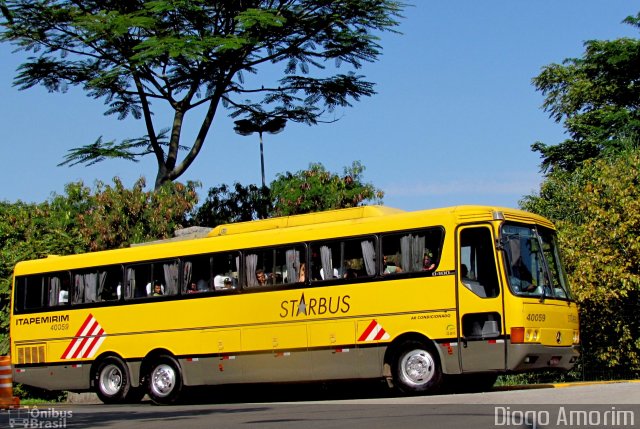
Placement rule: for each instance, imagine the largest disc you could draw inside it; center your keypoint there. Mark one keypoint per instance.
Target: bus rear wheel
(165, 381)
(416, 369)
(112, 381)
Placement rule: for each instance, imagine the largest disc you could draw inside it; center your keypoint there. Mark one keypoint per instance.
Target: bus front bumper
(527, 357)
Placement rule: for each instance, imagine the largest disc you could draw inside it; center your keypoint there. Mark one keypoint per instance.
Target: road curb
(560, 385)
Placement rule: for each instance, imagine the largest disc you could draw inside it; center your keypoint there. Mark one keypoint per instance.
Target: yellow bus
(419, 298)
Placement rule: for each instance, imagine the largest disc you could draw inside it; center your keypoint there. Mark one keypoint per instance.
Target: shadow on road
(287, 392)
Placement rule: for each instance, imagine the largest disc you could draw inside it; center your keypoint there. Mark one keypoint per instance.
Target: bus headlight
(531, 335)
(576, 337)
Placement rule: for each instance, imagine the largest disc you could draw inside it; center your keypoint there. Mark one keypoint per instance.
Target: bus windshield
(533, 262)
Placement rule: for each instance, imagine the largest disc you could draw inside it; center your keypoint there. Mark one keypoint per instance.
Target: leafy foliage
(196, 53)
(596, 97)
(316, 189)
(31, 231)
(597, 211)
(225, 204)
(84, 220)
(118, 217)
(311, 190)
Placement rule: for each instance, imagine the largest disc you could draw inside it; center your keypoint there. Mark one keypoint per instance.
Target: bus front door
(480, 306)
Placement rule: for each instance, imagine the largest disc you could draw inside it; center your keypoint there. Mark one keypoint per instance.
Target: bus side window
(196, 274)
(42, 291)
(59, 287)
(413, 251)
(392, 261)
(225, 270)
(274, 266)
(31, 293)
(137, 279)
(167, 273)
(96, 284)
(140, 279)
(109, 281)
(343, 259)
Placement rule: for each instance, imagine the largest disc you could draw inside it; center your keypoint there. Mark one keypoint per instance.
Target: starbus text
(315, 306)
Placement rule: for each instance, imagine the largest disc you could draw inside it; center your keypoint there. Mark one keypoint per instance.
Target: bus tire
(165, 380)
(112, 380)
(416, 369)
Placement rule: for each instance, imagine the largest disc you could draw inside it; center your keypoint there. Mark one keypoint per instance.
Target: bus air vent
(31, 354)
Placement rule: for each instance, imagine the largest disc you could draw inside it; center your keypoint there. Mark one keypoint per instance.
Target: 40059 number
(59, 326)
(536, 317)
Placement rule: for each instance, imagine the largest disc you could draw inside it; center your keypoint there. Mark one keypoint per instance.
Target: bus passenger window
(109, 282)
(59, 286)
(274, 266)
(42, 291)
(416, 251)
(141, 279)
(343, 259)
(166, 273)
(196, 274)
(30, 293)
(137, 278)
(225, 269)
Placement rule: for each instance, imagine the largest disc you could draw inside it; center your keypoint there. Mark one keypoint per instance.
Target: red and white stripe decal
(374, 332)
(87, 341)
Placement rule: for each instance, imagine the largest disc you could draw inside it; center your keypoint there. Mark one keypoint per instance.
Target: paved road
(602, 405)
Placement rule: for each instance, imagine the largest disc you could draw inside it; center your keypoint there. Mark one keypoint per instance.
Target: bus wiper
(543, 296)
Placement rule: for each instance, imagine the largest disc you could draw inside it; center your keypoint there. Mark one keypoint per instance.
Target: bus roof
(304, 219)
(344, 222)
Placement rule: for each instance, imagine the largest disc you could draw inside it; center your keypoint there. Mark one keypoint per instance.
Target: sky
(452, 122)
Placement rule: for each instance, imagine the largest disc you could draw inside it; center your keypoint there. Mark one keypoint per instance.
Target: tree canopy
(596, 97)
(191, 54)
(312, 190)
(85, 219)
(315, 189)
(596, 209)
(237, 203)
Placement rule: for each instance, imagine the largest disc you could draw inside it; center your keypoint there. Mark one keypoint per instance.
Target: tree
(118, 217)
(596, 96)
(316, 189)
(84, 219)
(596, 209)
(225, 204)
(193, 54)
(306, 191)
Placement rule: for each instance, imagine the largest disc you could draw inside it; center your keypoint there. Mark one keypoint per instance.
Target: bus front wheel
(416, 369)
(165, 380)
(112, 380)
